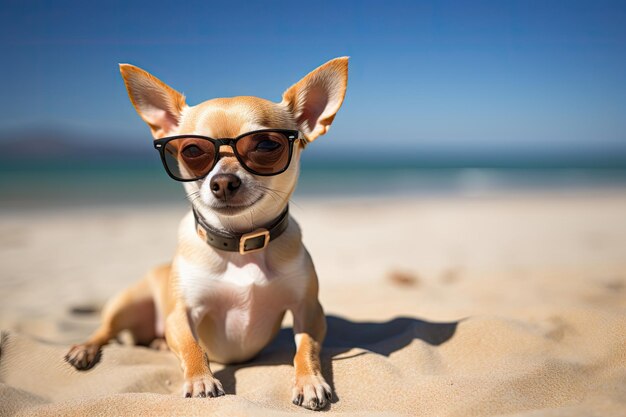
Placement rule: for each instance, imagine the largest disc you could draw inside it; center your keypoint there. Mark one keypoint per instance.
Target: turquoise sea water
(136, 182)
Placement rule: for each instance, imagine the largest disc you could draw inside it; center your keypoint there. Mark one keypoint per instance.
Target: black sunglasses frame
(291, 135)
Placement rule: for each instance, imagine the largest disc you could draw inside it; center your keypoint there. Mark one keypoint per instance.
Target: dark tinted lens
(264, 152)
(189, 158)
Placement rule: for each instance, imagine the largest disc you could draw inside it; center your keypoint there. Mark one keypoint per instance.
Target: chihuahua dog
(240, 263)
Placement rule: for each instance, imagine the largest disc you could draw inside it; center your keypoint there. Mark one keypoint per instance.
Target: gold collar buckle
(252, 235)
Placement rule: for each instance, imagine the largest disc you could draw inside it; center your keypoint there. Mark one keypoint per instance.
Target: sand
(483, 306)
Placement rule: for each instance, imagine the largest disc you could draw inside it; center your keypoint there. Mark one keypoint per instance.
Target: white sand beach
(451, 306)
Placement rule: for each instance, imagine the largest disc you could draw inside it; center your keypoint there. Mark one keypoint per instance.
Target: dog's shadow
(343, 335)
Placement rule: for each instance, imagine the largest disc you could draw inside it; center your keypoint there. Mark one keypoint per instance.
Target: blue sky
(502, 76)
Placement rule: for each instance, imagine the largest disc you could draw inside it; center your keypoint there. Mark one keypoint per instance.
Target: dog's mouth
(231, 208)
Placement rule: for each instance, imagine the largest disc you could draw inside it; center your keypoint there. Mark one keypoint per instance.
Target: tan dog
(226, 304)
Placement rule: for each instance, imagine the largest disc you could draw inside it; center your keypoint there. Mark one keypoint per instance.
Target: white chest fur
(236, 303)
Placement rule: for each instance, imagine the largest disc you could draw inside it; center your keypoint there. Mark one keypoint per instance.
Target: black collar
(254, 241)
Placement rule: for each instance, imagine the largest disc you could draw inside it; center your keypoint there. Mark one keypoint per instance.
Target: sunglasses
(262, 152)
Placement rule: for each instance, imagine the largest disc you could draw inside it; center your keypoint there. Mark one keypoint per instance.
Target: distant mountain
(59, 143)
(30, 146)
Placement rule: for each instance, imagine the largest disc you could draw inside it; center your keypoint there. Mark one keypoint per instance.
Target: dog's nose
(224, 186)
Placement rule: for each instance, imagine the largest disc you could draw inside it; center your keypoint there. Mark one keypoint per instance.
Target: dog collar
(254, 241)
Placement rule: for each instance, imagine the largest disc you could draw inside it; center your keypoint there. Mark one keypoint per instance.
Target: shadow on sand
(342, 335)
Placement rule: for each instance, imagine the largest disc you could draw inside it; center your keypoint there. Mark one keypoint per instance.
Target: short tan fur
(212, 305)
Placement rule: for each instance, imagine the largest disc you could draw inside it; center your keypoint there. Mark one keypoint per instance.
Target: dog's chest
(238, 308)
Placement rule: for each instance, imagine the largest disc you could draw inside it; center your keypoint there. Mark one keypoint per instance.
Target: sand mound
(569, 361)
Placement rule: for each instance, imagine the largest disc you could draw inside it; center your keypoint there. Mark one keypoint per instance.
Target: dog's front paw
(204, 386)
(312, 392)
(83, 357)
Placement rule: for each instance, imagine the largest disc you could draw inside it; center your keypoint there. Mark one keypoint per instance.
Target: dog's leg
(131, 309)
(199, 380)
(310, 389)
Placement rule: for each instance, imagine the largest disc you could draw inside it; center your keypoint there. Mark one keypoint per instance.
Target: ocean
(75, 183)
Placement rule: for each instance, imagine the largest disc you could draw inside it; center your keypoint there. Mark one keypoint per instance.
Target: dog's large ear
(158, 105)
(316, 98)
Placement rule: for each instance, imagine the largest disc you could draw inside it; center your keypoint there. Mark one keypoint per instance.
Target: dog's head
(239, 185)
